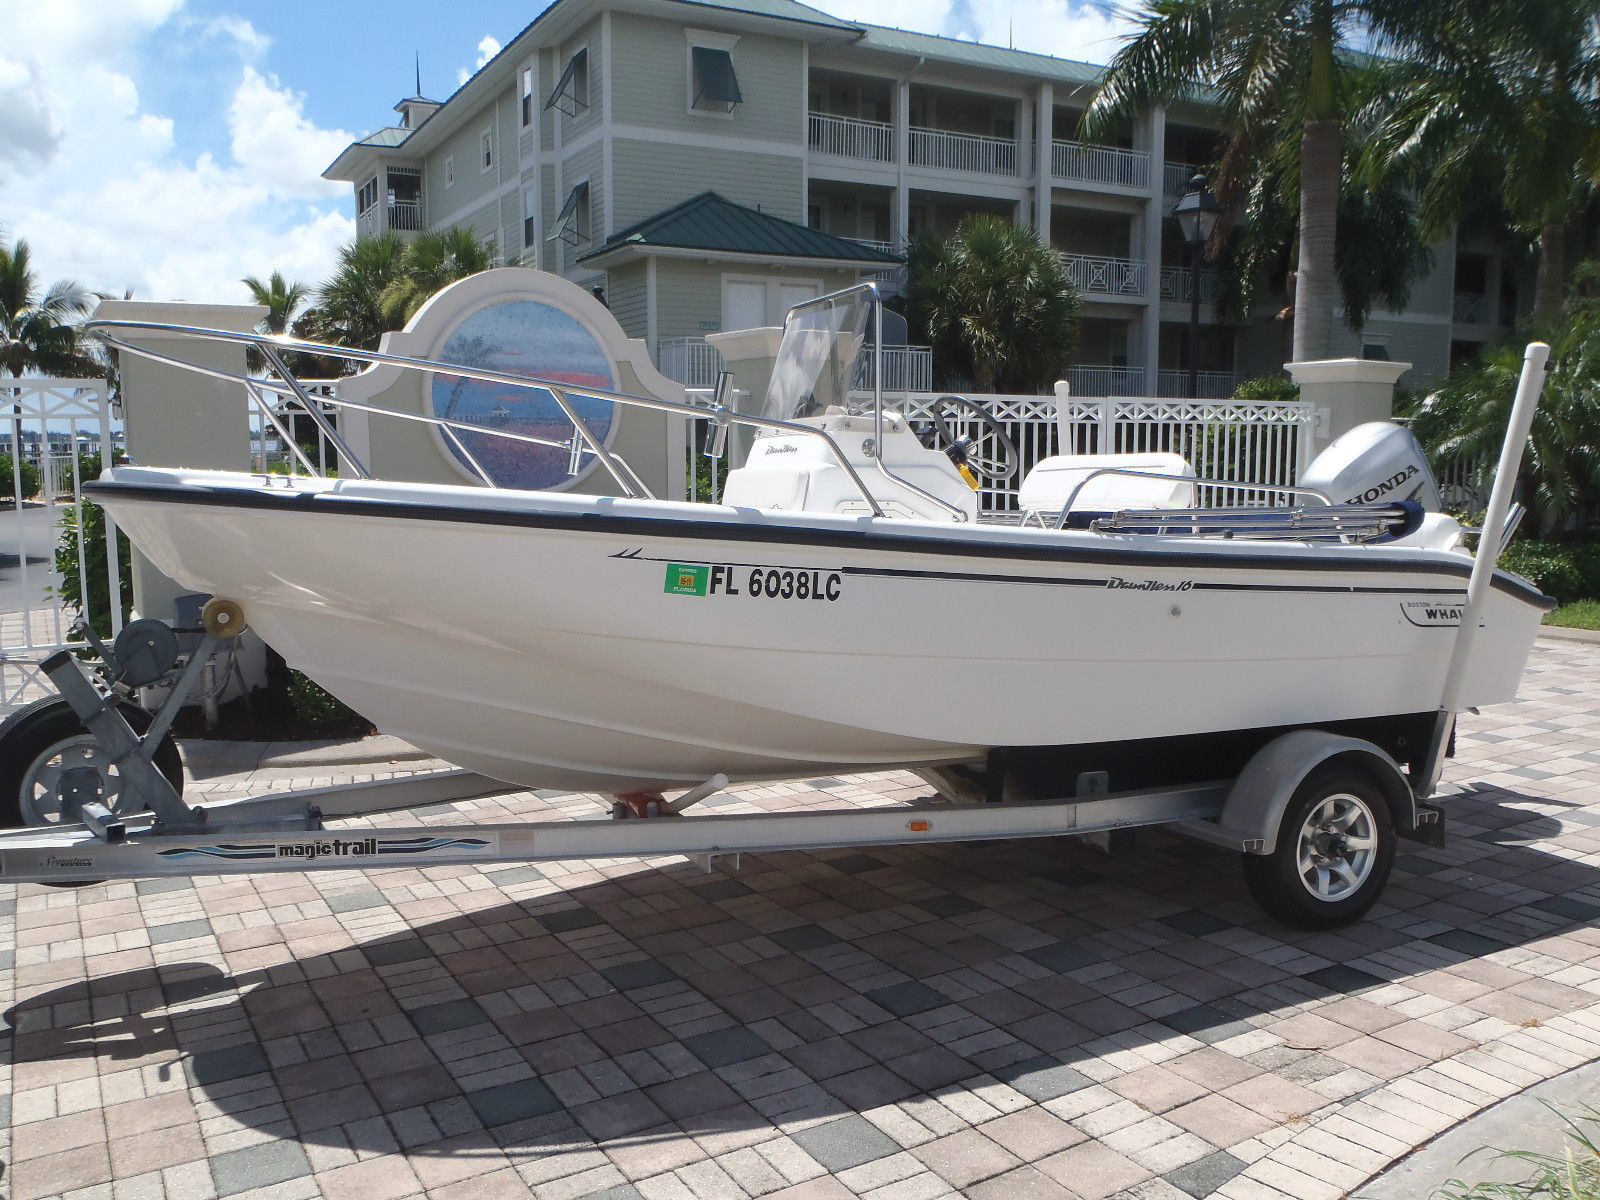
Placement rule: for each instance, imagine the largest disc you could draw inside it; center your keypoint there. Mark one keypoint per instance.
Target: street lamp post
(1197, 212)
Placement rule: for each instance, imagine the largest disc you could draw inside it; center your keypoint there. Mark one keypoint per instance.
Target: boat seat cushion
(1051, 483)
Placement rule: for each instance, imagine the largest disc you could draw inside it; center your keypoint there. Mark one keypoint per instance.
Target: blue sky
(173, 146)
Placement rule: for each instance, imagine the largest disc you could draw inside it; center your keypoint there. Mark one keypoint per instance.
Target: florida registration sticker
(687, 579)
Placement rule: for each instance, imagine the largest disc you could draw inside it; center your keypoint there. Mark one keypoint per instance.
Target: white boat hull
(553, 640)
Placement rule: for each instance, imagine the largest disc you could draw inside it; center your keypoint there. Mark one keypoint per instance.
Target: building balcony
(975, 153)
(1092, 275)
(1178, 283)
(1087, 379)
(1175, 178)
(849, 137)
(691, 361)
(406, 216)
(1466, 308)
(1089, 163)
(1209, 385)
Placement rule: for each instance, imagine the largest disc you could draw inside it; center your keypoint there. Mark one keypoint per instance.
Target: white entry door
(744, 303)
(749, 302)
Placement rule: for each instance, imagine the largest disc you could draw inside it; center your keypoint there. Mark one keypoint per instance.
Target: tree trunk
(1550, 288)
(1315, 282)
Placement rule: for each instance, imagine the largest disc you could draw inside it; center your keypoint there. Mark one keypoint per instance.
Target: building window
(449, 172)
(485, 150)
(572, 225)
(527, 96)
(367, 196)
(571, 94)
(714, 86)
(530, 200)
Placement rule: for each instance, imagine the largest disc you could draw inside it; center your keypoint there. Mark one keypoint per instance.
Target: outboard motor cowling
(1375, 463)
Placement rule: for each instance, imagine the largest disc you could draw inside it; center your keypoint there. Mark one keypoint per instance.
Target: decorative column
(1345, 392)
(1044, 138)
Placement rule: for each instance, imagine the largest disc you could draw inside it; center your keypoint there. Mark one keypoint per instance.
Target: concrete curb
(1521, 1122)
(1560, 634)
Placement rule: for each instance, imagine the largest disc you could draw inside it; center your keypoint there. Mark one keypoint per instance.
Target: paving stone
(724, 1047)
(950, 906)
(1043, 1078)
(628, 976)
(1340, 978)
(804, 937)
(1062, 957)
(568, 920)
(179, 931)
(508, 1102)
(349, 902)
(217, 1066)
(1195, 923)
(451, 1015)
(844, 1143)
(907, 999)
(1204, 1176)
(258, 1166)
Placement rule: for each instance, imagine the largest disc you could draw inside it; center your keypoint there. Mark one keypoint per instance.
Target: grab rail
(583, 437)
(1233, 484)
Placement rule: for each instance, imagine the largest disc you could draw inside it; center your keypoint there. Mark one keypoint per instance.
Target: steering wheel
(991, 453)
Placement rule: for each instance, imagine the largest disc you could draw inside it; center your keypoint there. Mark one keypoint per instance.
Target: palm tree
(432, 262)
(349, 308)
(1465, 418)
(996, 304)
(40, 333)
(1279, 68)
(283, 302)
(1379, 250)
(1520, 118)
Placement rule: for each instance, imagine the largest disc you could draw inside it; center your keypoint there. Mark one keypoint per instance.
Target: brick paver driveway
(1011, 1020)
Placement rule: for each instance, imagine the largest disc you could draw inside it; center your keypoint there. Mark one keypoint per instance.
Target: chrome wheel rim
(40, 797)
(1338, 847)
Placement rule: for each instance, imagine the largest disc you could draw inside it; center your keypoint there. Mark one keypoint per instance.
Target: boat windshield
(816, 364)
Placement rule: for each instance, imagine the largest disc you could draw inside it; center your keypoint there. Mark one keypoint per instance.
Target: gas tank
(1376, 463)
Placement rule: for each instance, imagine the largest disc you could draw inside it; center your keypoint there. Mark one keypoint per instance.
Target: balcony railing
(1096, 276)
(690, 361)
(872, 244)
(1089, 380)
(1209, 385)
(850, 137)
(1175, 178)
(1467, 308)
(406, 215)
(972, 152)
(1177, 283)
(905, 369)
(1100, 164)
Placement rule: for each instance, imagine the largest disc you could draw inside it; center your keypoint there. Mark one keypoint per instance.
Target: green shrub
(313, 704)
(8, 479)
(1277, 386)
(1571, 1175)
(1551, 565)
(94, 561)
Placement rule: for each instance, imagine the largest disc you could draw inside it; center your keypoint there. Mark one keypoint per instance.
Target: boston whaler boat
(843, 609)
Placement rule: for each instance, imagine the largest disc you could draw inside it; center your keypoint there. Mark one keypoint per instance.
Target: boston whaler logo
(1117, 583)
(1427, 614)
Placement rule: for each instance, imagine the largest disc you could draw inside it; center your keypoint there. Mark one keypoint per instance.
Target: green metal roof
(388, 138)
(977, 54)
(711, 222)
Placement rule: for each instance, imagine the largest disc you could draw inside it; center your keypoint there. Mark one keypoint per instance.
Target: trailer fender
(1254, 809)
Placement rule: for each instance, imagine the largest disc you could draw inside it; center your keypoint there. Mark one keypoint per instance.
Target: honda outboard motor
(1376, 463)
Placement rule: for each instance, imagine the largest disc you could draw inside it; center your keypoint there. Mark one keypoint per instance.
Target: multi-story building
(587, 146)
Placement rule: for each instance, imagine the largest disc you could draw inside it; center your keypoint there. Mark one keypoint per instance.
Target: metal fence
(55, 423)
(1267, 443)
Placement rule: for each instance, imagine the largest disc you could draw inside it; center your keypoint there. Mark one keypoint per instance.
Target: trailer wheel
(1334, 851)
(43, 739)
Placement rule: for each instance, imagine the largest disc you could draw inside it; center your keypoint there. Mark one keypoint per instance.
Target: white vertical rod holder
(1494, 520)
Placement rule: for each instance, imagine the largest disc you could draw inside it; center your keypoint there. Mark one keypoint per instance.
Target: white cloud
(92, 178)
(487, 49)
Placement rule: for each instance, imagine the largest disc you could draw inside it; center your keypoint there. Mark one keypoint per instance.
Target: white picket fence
(1266, 443)
(53, 421)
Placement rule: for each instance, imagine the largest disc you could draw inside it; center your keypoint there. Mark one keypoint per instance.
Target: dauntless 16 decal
(768, 583)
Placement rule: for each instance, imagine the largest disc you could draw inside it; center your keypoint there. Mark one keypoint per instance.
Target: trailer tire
(38, 733)
(1334, 851)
